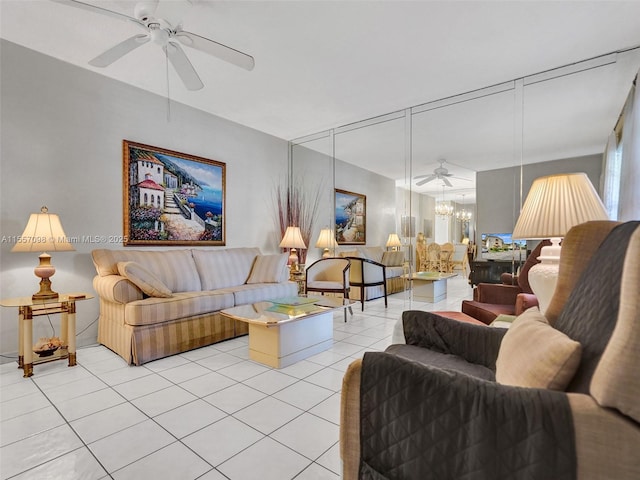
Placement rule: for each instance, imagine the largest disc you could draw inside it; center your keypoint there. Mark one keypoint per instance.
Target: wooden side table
(28, 308)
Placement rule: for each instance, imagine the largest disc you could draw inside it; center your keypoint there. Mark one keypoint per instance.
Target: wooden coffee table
(429, 286)
(281, 333)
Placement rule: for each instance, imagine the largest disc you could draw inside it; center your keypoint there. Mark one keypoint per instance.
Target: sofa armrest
(350, 421)
(496, 293)
(475, 343)
(525, 301)
(116, 288)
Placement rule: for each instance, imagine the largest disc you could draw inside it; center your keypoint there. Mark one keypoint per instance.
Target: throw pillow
(142, 278)
(392, 258)
(534, 354)
(353, 253)
(268, 268)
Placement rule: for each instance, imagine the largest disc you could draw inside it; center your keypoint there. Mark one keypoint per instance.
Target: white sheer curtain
(611, 170)
(620, 180)
(629, 205)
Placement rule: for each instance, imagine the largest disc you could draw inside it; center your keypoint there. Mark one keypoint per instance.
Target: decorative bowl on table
(45, 352)
(46, 346)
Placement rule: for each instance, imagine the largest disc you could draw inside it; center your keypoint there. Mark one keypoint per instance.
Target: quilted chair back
(579, 243)
(592, 310)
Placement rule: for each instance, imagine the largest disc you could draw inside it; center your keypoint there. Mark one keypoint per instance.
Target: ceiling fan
(162, 21)
(440, 173)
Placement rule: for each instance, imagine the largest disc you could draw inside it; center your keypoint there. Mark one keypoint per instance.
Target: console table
(28, 308)
(429, 286)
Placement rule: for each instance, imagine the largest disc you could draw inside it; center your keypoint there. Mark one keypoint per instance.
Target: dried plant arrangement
(297, 205)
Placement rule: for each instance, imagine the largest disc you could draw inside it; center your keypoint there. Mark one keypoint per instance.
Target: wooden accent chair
(329, 275)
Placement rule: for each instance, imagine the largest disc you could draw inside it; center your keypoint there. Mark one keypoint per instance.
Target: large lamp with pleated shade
(554, 205)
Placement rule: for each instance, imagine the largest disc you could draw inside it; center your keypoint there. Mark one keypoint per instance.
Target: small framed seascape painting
(172, 198)
(351, 218)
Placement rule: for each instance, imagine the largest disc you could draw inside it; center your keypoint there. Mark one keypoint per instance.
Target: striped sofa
(158, 303)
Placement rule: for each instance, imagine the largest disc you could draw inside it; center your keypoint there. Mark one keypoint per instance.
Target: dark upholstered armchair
(511, 298)
(549, 398)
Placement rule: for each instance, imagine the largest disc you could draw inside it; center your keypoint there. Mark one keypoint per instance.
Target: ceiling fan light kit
(167, 33)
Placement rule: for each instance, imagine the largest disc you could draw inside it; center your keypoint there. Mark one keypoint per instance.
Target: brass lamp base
(45, 270)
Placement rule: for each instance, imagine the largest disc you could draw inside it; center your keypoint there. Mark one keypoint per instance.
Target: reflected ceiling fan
(161, 19)
(439, 173)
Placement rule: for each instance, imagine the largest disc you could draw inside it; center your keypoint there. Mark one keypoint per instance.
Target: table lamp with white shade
(554, 205)
(43, 233)
(394, 241)
(293, 239)
(327, 241)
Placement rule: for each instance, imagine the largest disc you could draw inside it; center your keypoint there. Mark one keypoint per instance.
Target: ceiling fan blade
(460, 178)
(103, 11)
(120, 50)
(216, 49)
(446, 182)
(426, 180)
(183, 67)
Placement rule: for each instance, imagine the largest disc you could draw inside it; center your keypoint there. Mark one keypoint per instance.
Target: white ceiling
(323, 64)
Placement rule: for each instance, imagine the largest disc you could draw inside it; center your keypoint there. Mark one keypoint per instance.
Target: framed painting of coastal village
(351, 218)
(172, 198)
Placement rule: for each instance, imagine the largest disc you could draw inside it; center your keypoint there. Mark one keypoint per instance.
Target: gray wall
(316, 169)
(498, 191)
(61, 146)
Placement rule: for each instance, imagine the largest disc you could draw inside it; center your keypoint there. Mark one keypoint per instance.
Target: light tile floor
(207, 414)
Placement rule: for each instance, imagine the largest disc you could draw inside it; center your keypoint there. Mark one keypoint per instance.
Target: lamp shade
(43, 233)
(326, 239)
(555, 204)
(393, 240)
(292, 238)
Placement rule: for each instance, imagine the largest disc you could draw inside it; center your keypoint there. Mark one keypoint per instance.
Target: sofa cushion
(223, 268)
(350, 253)
(393, 258)
(143, 279)
(269, 269)
(616, 382)
(175, 268)
(154, 310)
(534, 354)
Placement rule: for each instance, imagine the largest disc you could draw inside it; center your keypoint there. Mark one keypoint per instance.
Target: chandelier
(463, 215)
(444, 209)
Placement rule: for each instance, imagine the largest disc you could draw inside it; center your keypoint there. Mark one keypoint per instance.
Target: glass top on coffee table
(282, 310)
